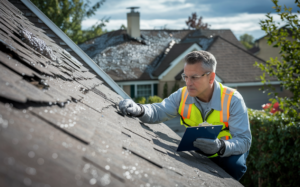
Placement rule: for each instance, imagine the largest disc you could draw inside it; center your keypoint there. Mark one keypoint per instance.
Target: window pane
(144, 90)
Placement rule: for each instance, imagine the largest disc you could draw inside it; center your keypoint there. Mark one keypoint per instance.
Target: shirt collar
(215, 102)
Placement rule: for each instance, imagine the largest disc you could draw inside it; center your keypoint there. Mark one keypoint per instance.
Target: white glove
(129, 107)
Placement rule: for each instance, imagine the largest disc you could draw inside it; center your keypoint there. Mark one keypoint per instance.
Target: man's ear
(212, 77)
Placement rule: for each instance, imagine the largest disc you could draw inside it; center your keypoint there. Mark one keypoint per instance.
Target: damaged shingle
(37, 44)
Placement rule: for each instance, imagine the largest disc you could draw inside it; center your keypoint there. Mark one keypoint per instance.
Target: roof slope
(235, 65)
(60, 126)
(38, 18)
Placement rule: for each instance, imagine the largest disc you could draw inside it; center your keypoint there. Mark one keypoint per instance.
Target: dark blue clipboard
(192, 133)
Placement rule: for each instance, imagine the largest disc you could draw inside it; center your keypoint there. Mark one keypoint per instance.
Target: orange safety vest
(191, 115)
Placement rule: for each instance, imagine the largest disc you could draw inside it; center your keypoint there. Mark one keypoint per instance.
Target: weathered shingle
(234, 63)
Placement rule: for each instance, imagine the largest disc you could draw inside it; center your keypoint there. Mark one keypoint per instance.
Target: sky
(241, 16)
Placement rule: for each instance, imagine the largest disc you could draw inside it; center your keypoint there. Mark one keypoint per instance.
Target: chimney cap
(132, 8)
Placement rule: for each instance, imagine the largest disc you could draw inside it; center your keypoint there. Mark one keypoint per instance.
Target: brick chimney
(133, 23)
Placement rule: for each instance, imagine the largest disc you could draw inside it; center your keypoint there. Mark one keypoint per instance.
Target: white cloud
(239, 24)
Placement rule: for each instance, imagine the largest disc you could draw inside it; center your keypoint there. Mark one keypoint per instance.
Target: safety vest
(191, 115)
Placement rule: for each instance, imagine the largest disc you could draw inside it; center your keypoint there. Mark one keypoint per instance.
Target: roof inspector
(203, 99)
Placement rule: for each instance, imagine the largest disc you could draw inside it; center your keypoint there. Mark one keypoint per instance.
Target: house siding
(170, 87)
(126, 88)
(254, 97)
(266, 51)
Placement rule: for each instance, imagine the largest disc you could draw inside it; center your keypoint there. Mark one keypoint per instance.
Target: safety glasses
(194, 77)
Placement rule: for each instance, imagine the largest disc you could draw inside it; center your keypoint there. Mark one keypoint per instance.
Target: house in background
(143, 62)
(265, 51)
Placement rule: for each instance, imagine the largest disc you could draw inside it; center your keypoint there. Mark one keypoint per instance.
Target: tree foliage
(287, 67)
(247, 40)
(194, 22)
(69, 14)
(175, 87)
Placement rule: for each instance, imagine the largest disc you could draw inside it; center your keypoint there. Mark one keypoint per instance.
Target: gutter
(251, 84)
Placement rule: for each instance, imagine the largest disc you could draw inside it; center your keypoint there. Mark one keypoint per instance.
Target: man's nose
(188, 81)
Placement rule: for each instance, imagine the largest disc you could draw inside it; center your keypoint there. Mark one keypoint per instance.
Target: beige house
(265, 51)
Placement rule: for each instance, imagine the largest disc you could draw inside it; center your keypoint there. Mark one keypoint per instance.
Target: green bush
(141, 100)
(165, 93)
(154, 99)
(274, 158)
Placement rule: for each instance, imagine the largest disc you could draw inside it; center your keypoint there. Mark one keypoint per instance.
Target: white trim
(251, 84)
(137, 82)
(75, 48)
(178, 59)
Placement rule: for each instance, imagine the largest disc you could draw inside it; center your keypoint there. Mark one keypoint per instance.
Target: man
(204, 99)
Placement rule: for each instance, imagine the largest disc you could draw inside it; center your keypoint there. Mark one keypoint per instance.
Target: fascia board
(76, 49)
(137, 82)
(178, 59)
(244, 84)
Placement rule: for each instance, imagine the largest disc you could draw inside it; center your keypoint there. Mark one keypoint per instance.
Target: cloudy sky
(241, 16)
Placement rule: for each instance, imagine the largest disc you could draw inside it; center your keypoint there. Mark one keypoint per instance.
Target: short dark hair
(207, 60)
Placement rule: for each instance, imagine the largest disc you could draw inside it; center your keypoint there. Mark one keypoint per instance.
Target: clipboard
(192, 133)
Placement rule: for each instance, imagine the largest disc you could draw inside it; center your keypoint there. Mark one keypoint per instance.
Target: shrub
(154, 99)
(275, 151)
(175, 87)
(141, 100)
(165, 93)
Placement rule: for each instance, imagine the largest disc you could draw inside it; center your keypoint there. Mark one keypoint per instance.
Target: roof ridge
(214, 40)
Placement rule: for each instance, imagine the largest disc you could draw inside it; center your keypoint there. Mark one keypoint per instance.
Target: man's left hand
(208, 146)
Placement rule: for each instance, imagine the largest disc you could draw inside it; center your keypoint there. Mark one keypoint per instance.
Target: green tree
(287, 67)
(175, 87)
(165, 93)
(123, 27)
(247, 40)
(69, 14)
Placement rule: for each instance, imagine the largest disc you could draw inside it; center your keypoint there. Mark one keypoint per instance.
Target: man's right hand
(129, 107)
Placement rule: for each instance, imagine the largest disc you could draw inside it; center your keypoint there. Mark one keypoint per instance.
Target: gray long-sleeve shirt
(238, 121)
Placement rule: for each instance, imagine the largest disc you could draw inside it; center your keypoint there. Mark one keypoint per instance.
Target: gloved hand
(129, 107)
(209, 146)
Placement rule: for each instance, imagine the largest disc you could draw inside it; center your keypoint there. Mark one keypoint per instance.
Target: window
(144, 90)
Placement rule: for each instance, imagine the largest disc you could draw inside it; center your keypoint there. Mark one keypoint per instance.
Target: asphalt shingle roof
(60, 125)
(235, 64)
(125, 59)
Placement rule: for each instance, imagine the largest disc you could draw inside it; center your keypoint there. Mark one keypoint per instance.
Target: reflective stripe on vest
(225, 105)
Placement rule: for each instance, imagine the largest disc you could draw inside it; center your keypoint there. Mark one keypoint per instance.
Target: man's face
(197, 87)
